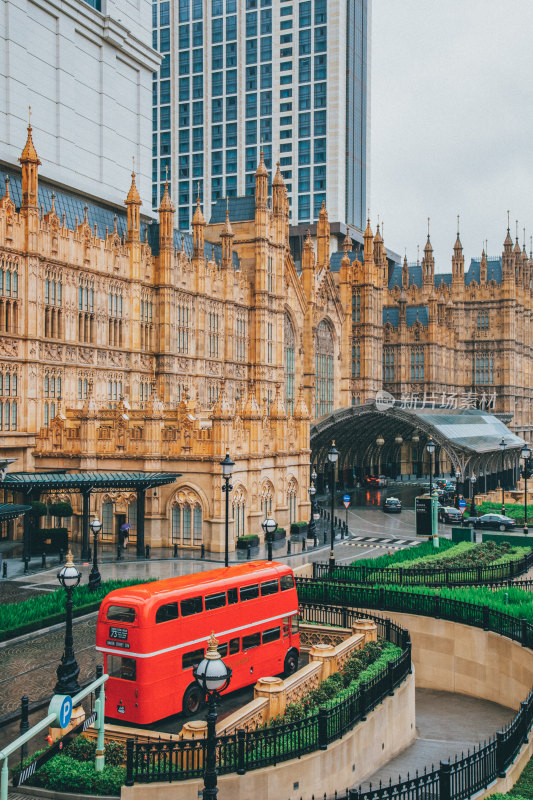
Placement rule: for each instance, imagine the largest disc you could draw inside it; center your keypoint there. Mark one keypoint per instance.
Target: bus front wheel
(291, 663)
(192, 700)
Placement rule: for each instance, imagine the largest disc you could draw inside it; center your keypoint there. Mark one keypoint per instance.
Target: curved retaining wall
(388, 730)
(460, 658)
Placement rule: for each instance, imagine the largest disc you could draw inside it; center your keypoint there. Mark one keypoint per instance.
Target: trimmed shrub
(250, 539)
(297, 528)
(61, 509)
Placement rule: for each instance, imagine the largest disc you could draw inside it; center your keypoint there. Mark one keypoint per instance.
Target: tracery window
(8, 405)
(292, 500)
(288, 362)
(388, 364)
(115, 311)
(239, 512)
(266, 499)
(52, 394)
(53, 300)
(483, 369)
(86, 321)
(9, 282)
(213, 334)
(325, 382)
(147, 311)
(356, 360)
(417, 364)
(240, 336)
(270, 343)
(186, 519)
(356, 307)
(182, 321)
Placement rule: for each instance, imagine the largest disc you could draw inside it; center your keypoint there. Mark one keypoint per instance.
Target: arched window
(186, 519)
(266, 499)
(288, 363)
(325, 383)
(292, 500)
(239, 513)
(107, 518)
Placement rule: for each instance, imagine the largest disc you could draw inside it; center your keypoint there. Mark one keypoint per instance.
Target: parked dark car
(493, 521)
(450, 515)
(392, 505)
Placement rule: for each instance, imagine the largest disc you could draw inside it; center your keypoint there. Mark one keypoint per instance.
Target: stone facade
(140, 350)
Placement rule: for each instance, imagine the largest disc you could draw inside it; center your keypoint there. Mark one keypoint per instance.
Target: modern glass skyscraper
(291, 74)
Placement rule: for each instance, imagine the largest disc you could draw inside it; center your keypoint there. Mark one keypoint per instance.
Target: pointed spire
(378, 238)
(7, 195)
(251, 408)
(458, 246)
(277, 408)
(29, 154)
(198, 218)
(300, 410)
(133, 194)
(368, 242)
(278, 177)
(508, 242)
(261, 167)
(347, 244)
(227, 229)
(428, 248)
(166, 202)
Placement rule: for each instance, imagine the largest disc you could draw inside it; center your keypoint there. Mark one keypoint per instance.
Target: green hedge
(523, 788)
(424, 549)
(45, 610)
(251, 539)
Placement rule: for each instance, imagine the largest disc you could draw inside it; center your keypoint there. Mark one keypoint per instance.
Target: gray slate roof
(412, 313)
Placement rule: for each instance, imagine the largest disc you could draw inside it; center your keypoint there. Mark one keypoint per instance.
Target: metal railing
(469, 774)
(431, 576)
(247, 750)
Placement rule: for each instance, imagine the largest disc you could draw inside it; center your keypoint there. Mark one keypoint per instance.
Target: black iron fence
(430, 576)
(464, 777)
(469, 774)
(246, 750)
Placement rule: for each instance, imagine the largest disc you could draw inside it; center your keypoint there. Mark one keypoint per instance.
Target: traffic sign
(346, 500)
(61, 706)
(462, 504)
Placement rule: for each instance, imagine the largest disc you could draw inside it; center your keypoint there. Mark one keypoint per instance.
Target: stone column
(327, 655)
(273, 689)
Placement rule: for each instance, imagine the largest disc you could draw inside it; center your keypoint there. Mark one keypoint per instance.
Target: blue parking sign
(61, 706)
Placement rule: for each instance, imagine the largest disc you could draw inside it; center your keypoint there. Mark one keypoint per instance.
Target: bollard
(4, 569)
(175, 550)
(202, 551)
(61, 555)
(248, 551)
(24, 724)
(119, 552)
(26, 562)
(289, 547)
(43, 560)
(147, 551)
(90, 556)
(303, 545)
(315, 540)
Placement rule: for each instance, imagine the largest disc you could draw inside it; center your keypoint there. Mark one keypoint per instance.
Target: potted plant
(250, 539)
(298, 528)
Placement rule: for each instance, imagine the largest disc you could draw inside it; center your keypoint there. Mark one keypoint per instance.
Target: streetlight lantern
(380, 441)
(503, 445)
(68, 670)
(95, 578)
(227, 471)
(415, 438)
(270, 527)
(333, 455)
(526, 455)
(227, 466)
(213, 676)
(398, 439)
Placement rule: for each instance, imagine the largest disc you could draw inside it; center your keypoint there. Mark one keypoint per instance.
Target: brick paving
(29, 667)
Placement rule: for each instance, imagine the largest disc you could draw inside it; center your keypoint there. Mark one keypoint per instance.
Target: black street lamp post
(67, 672)
(430, 447)
(333, 455)
(503, 445)
(213, 676)
(457, 476)
(227, 470)
(473, 510)
(270, 527)
(95, 579)
(526, 455)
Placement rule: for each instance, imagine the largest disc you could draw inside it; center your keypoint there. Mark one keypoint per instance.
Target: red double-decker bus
(154, 633)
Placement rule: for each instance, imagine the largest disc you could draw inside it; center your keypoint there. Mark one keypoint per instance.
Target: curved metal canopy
(467, 436)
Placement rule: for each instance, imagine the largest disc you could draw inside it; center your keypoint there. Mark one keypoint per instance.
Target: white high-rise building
(292, 74)
(85, 68)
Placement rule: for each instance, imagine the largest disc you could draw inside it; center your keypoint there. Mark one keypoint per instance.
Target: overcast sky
(451, 123)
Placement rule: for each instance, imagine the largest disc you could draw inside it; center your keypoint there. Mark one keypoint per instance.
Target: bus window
(271, 635)
(249, 592)
(121, 614)
(294, 621)
(286, 626)
(215, 601)
(253, 640)
(269, 587)
(287, 582)
(120, 667)
(233, 646)
(223, 649)
(167, 612)
(193, 605)
(233, 596)
(191, 658)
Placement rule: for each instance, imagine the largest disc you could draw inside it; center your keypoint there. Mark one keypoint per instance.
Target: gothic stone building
(127, 345)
